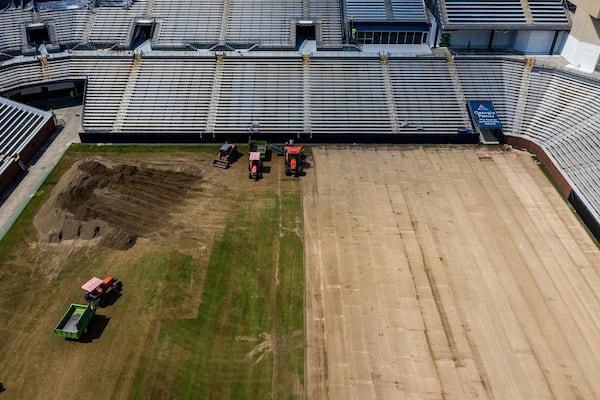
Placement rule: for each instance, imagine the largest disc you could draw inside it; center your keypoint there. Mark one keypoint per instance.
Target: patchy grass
(222, 319)
(247, 339)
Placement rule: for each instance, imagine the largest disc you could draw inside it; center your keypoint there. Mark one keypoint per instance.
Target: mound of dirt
(113, 202)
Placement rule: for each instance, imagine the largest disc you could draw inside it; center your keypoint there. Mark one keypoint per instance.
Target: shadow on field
(112, 299)
(95, 329)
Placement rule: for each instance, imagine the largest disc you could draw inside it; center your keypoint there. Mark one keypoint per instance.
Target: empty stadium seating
(348, 97)
(503, 13)
(11, 29)
(465, 13)
(187, 21)
(409, 10)
(267, 92)
(499, 81)
(329, 16)
(167, 96)
(114, 25)
(19, 126)
(267, 22)
(414, 81)
(366, 10)
(69, 25)
(548, 12)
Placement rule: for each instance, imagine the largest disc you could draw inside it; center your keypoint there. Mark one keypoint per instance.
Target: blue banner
(485, 114)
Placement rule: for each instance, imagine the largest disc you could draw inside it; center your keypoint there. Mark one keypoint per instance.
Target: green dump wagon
(75, 321)
(259, 146)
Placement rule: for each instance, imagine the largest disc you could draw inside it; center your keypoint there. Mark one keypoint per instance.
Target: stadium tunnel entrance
(305, 30)
(37, 34)
(50, 95)
(143, 31)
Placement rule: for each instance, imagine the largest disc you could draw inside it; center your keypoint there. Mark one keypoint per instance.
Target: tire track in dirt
(316, 365)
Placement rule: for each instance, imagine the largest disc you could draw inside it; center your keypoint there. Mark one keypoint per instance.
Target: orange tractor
(226, 155)
(294, 159)
(102, 291)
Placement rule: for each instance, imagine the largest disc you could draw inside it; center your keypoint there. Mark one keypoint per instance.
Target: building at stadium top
(527, 26)
(552, 27)
(582, 47)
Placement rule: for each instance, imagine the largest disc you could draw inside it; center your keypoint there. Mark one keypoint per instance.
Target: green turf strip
(247, 341)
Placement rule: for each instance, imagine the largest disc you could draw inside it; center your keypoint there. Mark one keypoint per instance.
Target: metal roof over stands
(19, 124)
(391, 11)
(503, 14)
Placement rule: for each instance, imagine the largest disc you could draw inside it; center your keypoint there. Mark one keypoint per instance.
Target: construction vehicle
(225, 156)
(293, 157)
(101, 291)
(260, 146)
(255, 166)
(75, 321)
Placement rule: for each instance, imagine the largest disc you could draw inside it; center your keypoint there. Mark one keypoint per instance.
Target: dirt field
(446, 274)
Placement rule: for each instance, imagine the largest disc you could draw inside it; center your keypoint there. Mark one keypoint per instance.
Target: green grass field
(229, 327)
(247, 339)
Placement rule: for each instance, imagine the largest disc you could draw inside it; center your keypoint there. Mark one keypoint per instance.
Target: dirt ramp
(113, 202)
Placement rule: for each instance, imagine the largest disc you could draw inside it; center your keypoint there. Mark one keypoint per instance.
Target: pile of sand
(113, 202)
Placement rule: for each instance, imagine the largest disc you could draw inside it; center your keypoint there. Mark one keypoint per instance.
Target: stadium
(436, 112)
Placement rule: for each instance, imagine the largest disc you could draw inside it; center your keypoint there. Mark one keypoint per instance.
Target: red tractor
(255, 166)
(294, 159)
(101, 291)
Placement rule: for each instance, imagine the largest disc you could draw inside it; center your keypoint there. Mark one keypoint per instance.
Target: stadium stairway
(522, 97)
(460, 94)
(127, 93)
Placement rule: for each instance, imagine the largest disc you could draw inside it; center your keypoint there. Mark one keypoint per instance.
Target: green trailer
(75, 321)
(258, 146)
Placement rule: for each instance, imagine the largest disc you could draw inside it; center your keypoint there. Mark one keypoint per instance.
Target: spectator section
(348, 98)
(260, 97)
(268, 23)
(23, 130)
(419, 110)
(187, 21)
(165, 96)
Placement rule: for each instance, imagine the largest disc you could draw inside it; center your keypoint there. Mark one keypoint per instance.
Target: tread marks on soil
(132, 199)
(414, 283)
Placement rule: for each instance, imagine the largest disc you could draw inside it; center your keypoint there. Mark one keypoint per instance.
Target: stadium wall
(26, 154)
(561, 182)
(237, 137)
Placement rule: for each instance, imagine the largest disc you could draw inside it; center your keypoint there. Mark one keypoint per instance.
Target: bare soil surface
(446, 273)
(116, 201)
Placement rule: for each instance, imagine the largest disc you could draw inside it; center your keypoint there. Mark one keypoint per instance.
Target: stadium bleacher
(414, 81)
(114, 25)
(266, 22)
(338, 93)
(22, 130)
(187, 21)
(166, 95)
(328, 14)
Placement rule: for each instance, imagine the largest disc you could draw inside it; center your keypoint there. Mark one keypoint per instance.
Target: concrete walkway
(38, 169)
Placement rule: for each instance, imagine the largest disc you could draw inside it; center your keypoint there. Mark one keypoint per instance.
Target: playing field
(446, 273)
(211, 262)
(389, 273)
